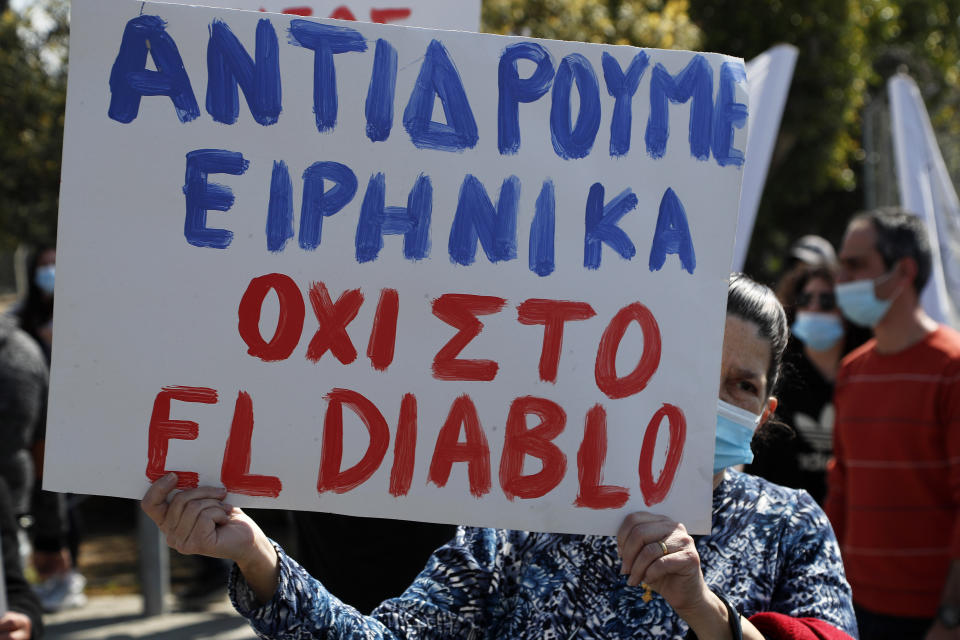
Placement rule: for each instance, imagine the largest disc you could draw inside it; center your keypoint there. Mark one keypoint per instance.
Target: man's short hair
(901, 234)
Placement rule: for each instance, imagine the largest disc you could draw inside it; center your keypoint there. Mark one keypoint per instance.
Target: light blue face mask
(859, 302)
(44, 279)
(819, 331)
(735, 427)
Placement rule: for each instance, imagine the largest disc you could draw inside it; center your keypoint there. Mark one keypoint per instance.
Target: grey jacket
(23, 403)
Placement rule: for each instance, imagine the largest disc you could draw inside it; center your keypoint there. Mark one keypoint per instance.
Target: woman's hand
(197, 521)
(15, 626)
(660, 553)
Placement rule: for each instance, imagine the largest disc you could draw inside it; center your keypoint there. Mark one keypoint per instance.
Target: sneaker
(24, 547)
(62, 591)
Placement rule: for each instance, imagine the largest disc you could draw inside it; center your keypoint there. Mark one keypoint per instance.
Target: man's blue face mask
(735, 428)
(859, 302)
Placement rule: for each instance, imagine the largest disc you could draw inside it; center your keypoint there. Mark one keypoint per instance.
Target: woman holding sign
(769, 568)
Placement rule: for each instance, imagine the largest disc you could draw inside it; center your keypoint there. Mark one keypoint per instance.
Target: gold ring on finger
(663, 547)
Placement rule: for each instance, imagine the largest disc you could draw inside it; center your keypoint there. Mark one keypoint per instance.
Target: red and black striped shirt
(894, 484)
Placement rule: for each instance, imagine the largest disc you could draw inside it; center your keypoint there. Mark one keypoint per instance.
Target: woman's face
(743, 368)
(817, 296)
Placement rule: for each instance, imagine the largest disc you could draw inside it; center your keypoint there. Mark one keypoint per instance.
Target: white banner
(927, 190)
(460, 15)
(768, 78)
(430, 275)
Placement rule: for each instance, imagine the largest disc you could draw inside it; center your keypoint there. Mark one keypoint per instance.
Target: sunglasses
(827, 300)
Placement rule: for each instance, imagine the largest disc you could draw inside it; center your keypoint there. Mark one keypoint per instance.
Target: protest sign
(461, 15)
(386, 271)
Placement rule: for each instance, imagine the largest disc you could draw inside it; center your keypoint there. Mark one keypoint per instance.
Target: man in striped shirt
(894, 484)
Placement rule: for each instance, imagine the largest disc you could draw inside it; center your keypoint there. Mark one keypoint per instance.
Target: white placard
(459, 15)
(180, 327)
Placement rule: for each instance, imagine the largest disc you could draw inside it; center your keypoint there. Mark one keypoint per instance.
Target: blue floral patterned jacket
(770, 549)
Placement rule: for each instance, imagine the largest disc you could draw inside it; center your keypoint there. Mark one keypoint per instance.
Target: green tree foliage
(847, 50)
(924, 41)
(32, 97)
(664, 24)
(813, 175)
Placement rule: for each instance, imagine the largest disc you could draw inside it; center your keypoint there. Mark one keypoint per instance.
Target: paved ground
(108, 559)
(118, 618)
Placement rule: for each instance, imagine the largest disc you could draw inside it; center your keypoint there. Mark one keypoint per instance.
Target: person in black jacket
(819, 339)
(55, 530)
(22, 620)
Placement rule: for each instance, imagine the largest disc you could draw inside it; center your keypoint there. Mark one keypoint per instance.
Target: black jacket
(20, 596)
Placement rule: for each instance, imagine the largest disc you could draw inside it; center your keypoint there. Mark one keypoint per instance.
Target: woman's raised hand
(660, 553)
(197, 521)
(15, 626)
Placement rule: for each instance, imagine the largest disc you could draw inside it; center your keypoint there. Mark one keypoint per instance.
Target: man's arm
(23, 620)
(949, 411)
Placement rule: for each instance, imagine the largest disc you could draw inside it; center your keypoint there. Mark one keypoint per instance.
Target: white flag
(768, 81)
(926, 189)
